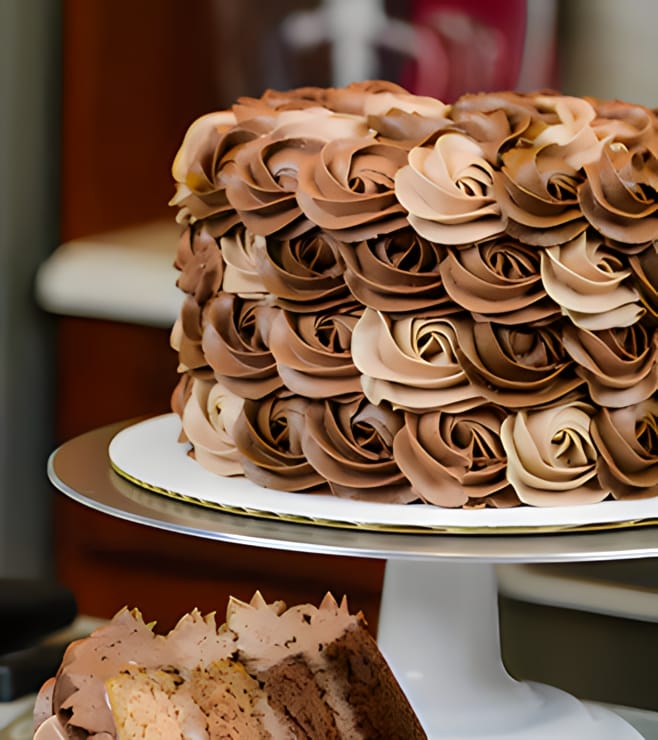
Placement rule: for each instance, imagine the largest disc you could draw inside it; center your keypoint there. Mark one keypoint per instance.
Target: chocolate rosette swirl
(551, 455)
(262, 176)
(631, 125)
(200, 192)
(537, 191)
(515, 366)
(354, 98)
(589, 280)
(199, 260)
(268, 435)
(498, 280)
(396, 273)
(455, 460)
(236, 345)
(349, 190)
(207, 420)
(405, 119)
(620, 195)
(620, 365)
(627, 440)
(303, 273)
(185, 338)
(448, 190)
(312, 351)
(241, 275)
(644, 267)
(350, 444)
(411, 362)
(495, 120)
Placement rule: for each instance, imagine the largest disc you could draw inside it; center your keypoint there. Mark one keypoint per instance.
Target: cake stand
(439, 618)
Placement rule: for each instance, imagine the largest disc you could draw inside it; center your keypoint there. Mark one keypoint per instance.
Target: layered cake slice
(268, 672)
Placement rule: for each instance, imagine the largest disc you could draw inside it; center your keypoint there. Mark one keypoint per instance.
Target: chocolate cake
(268, 672)
(394, 299)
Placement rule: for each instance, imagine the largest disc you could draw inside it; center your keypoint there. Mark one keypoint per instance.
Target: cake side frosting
(398, 300)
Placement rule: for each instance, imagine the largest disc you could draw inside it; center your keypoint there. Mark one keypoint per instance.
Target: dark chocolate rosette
(627, 440)
(515, 366)
(498, 280)
(199, 260)
(350, 444)
(396, 273)
(538, 194)
(313, 351)
(186, 337)
(620, 196)
(304, 273)
(262, 176)
(448, 190)
(551, 455)
(589, 280)
(268, 435)
(645, 271)
(236, 346)
(495, 120)
(620, 365)
(350, 190)
(200, 193)
(412, 362)
(455, 460)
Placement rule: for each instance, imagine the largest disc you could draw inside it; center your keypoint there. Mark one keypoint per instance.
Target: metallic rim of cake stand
(80, 468)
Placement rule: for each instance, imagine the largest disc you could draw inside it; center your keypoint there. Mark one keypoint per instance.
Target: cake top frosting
(404, 300)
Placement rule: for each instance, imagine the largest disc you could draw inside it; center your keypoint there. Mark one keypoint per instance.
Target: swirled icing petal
(627, 440)
(240, 271)
(454, 459)
(551, 458)
(411, 362)
(587, 280)
(448, 191)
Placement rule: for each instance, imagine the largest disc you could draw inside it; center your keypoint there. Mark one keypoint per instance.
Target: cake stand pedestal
(439, 618)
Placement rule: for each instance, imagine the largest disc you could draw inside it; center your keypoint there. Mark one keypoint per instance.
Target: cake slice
(269, 672)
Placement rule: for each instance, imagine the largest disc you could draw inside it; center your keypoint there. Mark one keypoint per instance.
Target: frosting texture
(393, 298)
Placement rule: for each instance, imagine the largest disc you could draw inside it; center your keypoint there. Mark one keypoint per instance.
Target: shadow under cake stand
(438, 625)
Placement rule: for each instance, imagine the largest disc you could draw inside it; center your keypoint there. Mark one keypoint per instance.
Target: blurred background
(95, 99)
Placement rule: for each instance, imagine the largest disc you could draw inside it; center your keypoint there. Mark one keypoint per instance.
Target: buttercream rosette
(393, 298)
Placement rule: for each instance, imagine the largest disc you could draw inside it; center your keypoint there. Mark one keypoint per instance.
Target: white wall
(29, 160)
(609, 49)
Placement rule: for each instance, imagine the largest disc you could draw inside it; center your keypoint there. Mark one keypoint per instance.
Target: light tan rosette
(411, 362)
(240, 268)
(619, 365)
(396, 272)
(620, 196)
(235, 345)
(303, 273)
(645, 271)
(551, 456)
(268, 436)
(262, 175)
(207, 422)
(312, 351)
(199, 260)
(538, 194)
(455, 460)
(196, 167)
(590, 282)
(498, 280)
(564, 127)
(630, 125)
(448, 191)
(515, 366)
(350, 444)
(627, 440)
(349, 190)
